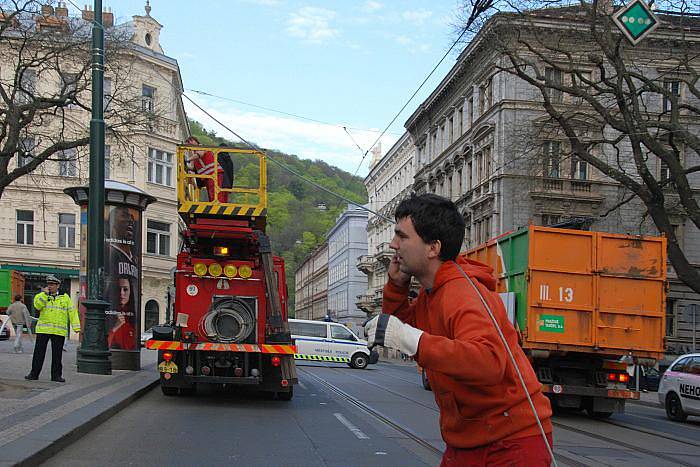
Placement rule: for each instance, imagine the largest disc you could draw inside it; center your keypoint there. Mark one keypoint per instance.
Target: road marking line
(356, 431)
(301, 385)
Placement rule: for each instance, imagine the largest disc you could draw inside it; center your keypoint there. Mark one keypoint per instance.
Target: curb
(83, 428)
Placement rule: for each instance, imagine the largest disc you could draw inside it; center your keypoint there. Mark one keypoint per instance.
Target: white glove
(389, 331)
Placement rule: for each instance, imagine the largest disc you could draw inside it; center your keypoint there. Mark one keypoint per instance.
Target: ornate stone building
(388, 183)
(40, 225)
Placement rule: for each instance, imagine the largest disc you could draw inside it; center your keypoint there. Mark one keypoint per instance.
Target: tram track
(375, 413)
(559, 424)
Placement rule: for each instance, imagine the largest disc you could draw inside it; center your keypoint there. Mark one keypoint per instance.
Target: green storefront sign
(551, 323)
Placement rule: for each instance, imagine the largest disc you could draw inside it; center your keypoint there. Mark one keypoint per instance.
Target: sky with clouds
(346, 63)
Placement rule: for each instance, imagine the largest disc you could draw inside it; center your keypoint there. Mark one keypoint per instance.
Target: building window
(27, 86)
(551, 159)
(158, 238)
(553, 77)
(151, 314)
(579, 169)
(671, 318)
(485, 96)
(160, 167)
(68, 164)
(69, 88)
(460, 121)
(107, 94)
(451, 132)
(148, 95)
(66, 230)
(26, 152)
(25, 227)
(470, 111)
(671, 88)
(550, 219)
(108, 161)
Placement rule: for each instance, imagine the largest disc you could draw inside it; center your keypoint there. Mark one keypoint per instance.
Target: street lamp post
(93, 355)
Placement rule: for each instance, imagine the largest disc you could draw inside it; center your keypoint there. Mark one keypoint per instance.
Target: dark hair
(435, 218)
(192, 138)
(18, 298)
(412, 294)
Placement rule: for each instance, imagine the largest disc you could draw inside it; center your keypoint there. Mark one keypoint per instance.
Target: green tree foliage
(299, 214)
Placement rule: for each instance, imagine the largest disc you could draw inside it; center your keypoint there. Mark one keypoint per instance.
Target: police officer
(55, 311)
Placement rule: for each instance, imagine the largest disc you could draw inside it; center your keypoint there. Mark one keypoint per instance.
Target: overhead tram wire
(282, 112)
(284, 166)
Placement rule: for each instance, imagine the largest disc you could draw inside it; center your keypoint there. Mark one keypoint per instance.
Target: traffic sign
(636, 21)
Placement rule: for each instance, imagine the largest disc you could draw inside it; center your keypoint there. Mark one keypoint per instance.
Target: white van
(330, 342)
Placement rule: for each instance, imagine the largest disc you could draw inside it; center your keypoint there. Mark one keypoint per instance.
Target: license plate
(167, 367)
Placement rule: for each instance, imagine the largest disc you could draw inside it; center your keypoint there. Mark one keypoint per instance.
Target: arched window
(152, 316)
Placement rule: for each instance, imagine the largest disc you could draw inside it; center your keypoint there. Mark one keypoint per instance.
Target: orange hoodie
(480, 397)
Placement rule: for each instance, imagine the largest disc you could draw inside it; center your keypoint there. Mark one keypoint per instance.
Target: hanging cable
(284, 166)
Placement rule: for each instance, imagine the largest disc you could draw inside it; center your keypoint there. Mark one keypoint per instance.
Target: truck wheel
(598, 415)
(169, 391)
(674, 409)
(359, 361)
(424, 379)
(286, 396)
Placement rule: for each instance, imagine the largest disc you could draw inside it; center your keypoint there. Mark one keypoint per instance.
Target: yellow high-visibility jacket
(54, 313)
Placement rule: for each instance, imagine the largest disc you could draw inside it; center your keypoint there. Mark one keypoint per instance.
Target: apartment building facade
(40, 225)
(479, 142)
(347, 241)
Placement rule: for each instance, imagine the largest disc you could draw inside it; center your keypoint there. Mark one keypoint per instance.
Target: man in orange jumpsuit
(485, 417)
(204, 163)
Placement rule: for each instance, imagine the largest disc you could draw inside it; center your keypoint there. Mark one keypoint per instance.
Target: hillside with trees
(299, 214)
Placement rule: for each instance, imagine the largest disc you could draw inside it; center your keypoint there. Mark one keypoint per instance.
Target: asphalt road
(345, 417)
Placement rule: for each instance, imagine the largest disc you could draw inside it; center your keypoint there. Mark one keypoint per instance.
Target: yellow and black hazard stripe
(321, 358)
(223, 210)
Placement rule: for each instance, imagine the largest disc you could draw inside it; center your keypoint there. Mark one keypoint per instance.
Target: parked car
(679, 391)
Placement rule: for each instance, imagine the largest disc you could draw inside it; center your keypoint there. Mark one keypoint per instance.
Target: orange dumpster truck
(585, 305)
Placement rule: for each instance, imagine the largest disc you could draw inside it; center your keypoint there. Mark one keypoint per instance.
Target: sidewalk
(39, 418)
(650, 399)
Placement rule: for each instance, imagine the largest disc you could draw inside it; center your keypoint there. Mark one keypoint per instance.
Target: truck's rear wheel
(169, 391)
(286, 396)
(598, 415)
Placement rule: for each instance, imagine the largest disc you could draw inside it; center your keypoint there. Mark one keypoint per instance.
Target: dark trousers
(42, 340)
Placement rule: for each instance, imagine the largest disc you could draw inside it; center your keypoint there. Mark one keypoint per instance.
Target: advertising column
(124, 205)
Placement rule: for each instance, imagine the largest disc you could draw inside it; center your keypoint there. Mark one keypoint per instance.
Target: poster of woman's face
(122, 275)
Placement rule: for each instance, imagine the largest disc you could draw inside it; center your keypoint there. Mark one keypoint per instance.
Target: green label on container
(551, 323)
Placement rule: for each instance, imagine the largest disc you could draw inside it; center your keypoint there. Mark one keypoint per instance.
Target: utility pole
(93, 355)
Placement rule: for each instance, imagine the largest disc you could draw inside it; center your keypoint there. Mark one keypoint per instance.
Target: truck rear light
(284, 383)
(167, 376)
(623, 377)
(189, 369)
(167, 356)
(254, 372)
(612, 377)
(206, 371)
(276, 361)
(238, 371)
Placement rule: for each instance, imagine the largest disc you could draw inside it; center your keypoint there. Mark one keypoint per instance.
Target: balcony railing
(364, 263)
(565, 187)
(384, 253)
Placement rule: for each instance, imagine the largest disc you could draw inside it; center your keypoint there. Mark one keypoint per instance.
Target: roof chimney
(61, 10)
(88, 14)
(46, 10)
(107, 18)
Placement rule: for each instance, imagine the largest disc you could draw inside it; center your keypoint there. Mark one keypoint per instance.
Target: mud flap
(289, 369)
